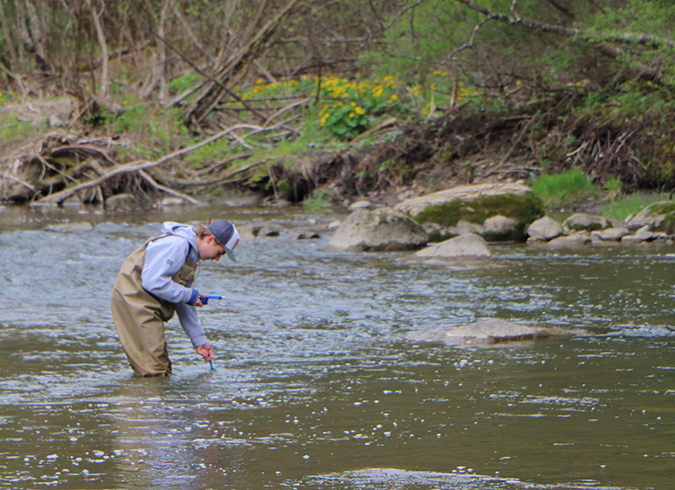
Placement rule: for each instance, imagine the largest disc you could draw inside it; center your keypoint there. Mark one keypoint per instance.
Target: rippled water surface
(313, 386)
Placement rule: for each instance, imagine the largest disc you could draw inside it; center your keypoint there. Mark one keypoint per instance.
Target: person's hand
(206, 351)
(198, 302)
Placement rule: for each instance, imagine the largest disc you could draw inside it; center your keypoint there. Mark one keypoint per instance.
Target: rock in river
(585, 222)
(486, 332)
(476, 204)
(545, 228)
(659, 216)
(380, 230)
(464, 246)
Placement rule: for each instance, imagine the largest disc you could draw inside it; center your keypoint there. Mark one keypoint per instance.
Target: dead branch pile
(64, 167)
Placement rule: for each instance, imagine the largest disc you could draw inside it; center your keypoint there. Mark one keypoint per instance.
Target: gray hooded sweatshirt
(164, 258)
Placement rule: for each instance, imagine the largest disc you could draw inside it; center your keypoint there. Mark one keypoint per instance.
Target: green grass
(564, 188)
(13, 131)
(624, 206)
(318, 201)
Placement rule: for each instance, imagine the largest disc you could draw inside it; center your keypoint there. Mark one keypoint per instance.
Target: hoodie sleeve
(189, 320)
(164, 258)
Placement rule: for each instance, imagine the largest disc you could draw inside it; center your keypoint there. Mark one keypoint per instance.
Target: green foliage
(12, 130)
(182, 83)
(636, 100)
(283, 187)
(624, 206)
(213, 152)
(345, 120)
(318, 201)
(348, 107)
(563, 188)
(613, 186)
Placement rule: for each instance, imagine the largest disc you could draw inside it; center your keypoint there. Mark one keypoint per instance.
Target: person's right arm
(163, 259)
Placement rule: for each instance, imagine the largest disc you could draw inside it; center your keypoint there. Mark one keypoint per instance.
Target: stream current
(313, 386)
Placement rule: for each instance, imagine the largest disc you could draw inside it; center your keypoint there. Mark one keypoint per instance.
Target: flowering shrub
(346, 107)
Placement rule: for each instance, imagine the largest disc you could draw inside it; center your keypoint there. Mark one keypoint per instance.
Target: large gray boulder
(514, 203)
(611, 234)
(659, 216)
(486, 333)
(585, 222)
(378, 230)
(464, 246)
(545, 229)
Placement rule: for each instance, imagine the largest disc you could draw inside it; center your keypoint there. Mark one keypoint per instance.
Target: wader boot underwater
(139, 316)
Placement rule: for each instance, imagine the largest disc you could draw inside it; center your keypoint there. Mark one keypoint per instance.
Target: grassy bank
(572, 147)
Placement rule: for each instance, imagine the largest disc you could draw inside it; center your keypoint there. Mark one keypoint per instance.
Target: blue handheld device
(205, 299)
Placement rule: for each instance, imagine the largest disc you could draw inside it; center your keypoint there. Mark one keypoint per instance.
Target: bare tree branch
(626, 37)
(235, 65)
(153, 183)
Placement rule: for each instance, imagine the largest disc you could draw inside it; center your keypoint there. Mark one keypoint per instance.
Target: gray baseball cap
(227, 234)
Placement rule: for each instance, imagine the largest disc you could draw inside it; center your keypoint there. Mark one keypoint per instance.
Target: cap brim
(230, 254)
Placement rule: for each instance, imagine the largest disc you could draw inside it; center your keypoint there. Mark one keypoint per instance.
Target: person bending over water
(155, 281)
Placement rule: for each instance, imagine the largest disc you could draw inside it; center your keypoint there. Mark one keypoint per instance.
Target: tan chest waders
(139, 316)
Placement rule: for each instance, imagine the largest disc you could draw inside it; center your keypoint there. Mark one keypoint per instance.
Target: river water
(313, 386)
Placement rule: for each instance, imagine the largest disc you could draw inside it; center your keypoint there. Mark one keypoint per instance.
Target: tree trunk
(104, 48)
(37, 35)
(8, 38)
(161, 48)
(25, 43)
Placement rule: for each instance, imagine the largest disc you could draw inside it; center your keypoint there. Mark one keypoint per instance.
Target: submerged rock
(486, 332)
(269, 230)
(463, 246)
(379, 230)
(121, 202)
(571, 241)
(70, 227)
(515, 204)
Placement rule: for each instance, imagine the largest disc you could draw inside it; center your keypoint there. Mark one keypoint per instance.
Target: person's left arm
(189, 320)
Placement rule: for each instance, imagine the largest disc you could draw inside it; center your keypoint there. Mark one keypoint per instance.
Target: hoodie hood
(184, 231)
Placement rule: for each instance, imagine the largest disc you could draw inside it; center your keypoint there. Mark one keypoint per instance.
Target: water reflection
(312, 387)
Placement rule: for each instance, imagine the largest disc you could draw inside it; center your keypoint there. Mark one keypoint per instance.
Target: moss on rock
(524, 209)
(659, 216)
